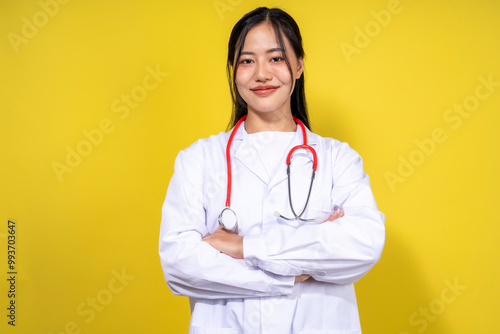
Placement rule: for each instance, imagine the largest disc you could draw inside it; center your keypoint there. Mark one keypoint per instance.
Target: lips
(264, 90)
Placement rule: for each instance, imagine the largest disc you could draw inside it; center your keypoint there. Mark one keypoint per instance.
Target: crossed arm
(231, 244)
(226, 265)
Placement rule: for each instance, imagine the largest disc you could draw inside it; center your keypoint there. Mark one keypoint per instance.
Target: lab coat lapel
(281, 175)
(245, 152)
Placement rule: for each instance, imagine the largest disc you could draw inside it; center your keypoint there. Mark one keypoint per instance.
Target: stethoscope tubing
(288, 162)
(228, 160)
(290, 195)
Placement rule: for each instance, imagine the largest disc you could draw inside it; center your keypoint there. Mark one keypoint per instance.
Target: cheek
(283, 75)
(243, 75)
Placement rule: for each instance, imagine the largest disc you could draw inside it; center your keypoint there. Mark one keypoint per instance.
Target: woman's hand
(302, 278)
(336, 215)
(226, 242)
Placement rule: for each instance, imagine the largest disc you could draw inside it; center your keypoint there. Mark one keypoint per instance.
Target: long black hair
(281, 23)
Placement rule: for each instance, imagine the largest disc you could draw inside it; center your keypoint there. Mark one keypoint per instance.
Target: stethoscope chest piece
(228, 219)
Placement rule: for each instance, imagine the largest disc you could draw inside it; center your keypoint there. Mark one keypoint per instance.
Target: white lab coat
(257, 294)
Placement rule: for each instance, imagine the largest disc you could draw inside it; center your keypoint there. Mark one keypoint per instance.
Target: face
(262, 76)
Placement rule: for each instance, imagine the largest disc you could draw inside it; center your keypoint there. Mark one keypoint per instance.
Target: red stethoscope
(228, 218)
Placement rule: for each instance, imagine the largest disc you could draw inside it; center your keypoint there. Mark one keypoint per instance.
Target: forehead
(262, 37)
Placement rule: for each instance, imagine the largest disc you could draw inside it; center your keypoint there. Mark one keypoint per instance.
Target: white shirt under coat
(257, 294)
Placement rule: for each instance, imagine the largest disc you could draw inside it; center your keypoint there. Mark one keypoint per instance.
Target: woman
(286, 260)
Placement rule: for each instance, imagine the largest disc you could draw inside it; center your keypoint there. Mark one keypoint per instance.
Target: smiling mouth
(264, 90)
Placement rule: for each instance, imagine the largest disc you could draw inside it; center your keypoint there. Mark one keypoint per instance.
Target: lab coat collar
(243, 150)
(241, 134)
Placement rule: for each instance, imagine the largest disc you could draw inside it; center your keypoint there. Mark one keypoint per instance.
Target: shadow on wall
(393, 297)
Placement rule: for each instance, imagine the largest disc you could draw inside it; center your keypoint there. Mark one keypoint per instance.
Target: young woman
(267, 227)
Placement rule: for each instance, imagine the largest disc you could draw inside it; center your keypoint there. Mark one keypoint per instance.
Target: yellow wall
(389, 77)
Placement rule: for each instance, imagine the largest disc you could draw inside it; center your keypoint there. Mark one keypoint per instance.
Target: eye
(276, 59)
(245, 61)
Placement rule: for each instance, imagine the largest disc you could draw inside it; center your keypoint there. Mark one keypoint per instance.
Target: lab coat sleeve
(191, 266)
(341, 251)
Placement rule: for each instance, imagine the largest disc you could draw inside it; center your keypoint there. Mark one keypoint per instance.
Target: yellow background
(76, 232)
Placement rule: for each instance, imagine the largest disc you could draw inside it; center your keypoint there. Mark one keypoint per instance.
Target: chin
(264, 107)
(263, 110)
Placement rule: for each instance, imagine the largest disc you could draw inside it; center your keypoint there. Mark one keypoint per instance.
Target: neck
(267, 122)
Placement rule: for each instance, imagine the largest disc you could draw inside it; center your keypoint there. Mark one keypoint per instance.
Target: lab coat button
(272, 201)
(255, 262)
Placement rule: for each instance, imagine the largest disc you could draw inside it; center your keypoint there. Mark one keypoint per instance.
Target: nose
(263, 72)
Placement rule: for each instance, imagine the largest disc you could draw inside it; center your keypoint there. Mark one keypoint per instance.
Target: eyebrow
(267, 51)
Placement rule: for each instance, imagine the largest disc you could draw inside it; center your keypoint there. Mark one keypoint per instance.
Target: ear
(300, 67)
